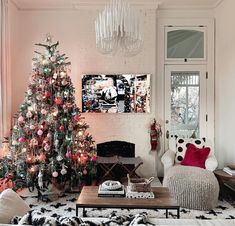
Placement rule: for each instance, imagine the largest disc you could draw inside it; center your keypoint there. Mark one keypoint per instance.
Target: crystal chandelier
(117, 28)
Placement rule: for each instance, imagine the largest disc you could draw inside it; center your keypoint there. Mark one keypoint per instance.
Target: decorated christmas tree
(49, 142)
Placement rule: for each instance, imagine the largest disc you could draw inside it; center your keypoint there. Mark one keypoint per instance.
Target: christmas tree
(49, 141)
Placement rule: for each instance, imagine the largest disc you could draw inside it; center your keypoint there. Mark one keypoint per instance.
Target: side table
(223, 178)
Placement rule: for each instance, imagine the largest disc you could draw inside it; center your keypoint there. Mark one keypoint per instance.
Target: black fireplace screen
(119, 148)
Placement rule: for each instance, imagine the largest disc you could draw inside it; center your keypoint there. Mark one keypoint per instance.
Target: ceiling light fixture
(117, 28)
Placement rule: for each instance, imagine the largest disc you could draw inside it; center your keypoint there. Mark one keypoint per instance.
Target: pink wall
(75, 31)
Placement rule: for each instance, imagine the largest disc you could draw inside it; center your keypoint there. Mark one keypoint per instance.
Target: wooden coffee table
(163, 200)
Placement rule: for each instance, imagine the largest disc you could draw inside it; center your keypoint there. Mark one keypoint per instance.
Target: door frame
(209, 62)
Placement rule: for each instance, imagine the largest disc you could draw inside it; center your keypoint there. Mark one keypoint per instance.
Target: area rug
(65, 206)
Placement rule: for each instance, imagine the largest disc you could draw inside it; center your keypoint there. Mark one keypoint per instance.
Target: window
(185, 43)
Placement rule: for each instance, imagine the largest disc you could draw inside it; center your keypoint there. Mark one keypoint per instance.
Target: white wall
(75, 32)
(225, 82)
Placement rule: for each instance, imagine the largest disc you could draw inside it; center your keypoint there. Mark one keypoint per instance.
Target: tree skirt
(66, 204)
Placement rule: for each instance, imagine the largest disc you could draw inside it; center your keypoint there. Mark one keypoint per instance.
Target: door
(185, 101)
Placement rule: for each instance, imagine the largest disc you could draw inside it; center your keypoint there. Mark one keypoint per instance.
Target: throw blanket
(36, 218)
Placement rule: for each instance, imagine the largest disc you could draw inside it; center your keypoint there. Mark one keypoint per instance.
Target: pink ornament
(83, 160)
(76, 118)
(84, 171)
(93, 158)
(40, 132)
(53, 59)
(43, 111)
(68, 154)
(55, 174)
(32, 169)
(21, 119)
(64, 82)
(30, 158)
(49, 135)
(21, 139)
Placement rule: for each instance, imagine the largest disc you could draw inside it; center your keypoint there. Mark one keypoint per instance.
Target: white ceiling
(70, 4)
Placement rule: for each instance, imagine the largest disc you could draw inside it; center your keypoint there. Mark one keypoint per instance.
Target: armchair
(192, 187)
(174, 155)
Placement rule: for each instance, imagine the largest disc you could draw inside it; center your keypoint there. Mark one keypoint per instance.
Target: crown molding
(96, 4)
(190, 6)
(78, 4)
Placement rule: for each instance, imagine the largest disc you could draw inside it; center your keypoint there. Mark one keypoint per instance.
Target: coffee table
(163, 200)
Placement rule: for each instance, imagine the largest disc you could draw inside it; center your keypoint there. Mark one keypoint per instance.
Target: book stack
(104, 192)
(230, 171)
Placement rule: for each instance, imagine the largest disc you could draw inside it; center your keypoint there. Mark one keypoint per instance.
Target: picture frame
(116, 93)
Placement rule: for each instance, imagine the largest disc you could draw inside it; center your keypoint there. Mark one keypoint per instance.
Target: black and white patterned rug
(65, 206)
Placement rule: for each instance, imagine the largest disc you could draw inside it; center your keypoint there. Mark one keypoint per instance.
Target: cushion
(195, 156)
(182, 145)
(11, 204)
(36, 217)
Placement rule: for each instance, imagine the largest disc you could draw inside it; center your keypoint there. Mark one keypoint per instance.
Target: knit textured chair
(192, 187)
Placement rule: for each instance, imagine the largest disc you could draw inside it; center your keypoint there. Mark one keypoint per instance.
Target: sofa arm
(168, 159)
(211, 163)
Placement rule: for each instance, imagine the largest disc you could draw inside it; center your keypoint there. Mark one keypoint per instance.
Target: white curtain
(5, 98)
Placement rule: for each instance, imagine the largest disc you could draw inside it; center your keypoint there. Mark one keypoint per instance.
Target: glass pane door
(185, 100)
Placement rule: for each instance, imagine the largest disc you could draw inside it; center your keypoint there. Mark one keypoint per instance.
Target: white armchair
(169, 158)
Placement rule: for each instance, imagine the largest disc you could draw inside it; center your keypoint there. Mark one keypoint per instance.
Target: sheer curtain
(5, 98)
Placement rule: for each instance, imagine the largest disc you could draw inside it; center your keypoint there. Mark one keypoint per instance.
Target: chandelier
(117, 28)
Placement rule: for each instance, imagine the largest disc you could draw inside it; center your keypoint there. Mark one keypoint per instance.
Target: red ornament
(75, 157)
(93, 158)
(61, 128)
(58, 100)
(47, 94)
(42, 157)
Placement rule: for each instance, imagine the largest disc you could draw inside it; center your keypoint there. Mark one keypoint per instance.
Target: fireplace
(120, 148)
(116, 148)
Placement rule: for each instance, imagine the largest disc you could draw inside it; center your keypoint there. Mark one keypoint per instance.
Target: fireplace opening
(115, 149)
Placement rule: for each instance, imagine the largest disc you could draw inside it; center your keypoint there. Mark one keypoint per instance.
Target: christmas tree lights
(49, 141)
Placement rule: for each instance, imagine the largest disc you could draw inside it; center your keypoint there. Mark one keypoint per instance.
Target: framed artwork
(119, 93)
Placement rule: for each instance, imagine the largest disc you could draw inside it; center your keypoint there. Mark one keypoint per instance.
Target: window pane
(185, 44)
(185, 104)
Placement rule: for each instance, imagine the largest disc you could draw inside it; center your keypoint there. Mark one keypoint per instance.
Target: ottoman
(192, 187)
